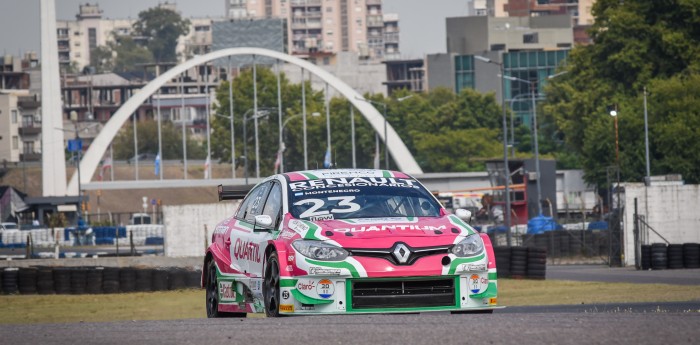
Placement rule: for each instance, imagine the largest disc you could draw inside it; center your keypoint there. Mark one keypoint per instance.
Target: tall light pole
(646, 138)
(230, 109)
(506, 169)
(328, 161)
(533, 86)
(303, 114)
(258, 113)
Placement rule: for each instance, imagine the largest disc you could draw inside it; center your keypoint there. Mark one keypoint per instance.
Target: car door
(248, 243)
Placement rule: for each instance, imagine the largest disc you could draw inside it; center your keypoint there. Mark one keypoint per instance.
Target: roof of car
(339, 173)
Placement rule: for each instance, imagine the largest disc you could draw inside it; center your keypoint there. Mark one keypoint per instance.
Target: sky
(421, 22)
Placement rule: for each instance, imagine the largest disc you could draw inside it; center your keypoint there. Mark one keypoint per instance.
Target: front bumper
(339, 295)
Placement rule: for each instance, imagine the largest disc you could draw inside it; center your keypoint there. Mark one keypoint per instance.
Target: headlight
(470, 246)
(319, 250)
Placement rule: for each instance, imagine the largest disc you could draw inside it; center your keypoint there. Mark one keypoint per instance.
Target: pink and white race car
(342, 242)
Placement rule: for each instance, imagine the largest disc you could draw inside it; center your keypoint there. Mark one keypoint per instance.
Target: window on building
(92, 38)
(14, 115)
(201, 28)
(563, 45)
(530, 38)
(497, 47)
(28, 121)
(27, 147)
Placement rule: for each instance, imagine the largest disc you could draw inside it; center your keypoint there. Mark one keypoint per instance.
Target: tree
(147, 132)
(638, 43)
(161, 27)
(129, 55)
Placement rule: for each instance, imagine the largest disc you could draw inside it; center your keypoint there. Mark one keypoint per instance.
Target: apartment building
(20, 115)
(326, 27)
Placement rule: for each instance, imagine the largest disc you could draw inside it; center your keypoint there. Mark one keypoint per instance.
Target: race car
(344, 242)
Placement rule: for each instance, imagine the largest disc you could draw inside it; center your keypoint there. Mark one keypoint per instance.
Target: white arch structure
(403, 158)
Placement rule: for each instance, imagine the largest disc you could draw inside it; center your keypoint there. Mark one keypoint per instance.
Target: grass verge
(185, 304)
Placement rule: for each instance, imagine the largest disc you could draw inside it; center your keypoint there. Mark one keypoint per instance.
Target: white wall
(185, 226)
(671, 210)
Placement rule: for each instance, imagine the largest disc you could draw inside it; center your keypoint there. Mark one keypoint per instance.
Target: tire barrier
(659, 256)
(521, 262)
(9, 281)
(44, 281)
(675, 256)
(536, 263)
(646, 257)
(26, 282)
(691, 255)
(502, 261)
(570, 243)
(95, 280)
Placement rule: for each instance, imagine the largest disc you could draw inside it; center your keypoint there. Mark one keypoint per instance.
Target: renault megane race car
(345, 241)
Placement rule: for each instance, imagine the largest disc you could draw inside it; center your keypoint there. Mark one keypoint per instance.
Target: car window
(273, 205)
(253, 203)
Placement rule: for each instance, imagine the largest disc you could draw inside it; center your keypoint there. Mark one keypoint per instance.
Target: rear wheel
(212, 285)
(271, 288)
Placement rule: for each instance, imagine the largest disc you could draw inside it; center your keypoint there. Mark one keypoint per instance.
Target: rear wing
(234, 192)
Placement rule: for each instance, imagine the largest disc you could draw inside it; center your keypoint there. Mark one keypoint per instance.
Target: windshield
(345, 198)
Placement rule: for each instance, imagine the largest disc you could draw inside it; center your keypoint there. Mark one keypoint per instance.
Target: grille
(403, 293)
(416, 253)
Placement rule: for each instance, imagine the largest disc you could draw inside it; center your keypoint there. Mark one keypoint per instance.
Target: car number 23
(344, 205)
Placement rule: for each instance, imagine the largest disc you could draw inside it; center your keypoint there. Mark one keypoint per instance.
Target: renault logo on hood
(401, 253)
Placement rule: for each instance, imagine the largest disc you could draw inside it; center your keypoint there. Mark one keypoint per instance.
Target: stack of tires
(176, 279)
(646, 257)
(160, 280)
(675, 255)
(44, 281)
(27, 280)
(658, 256)
(518, 262)
(61, 280)
(536, 263)
(502, 261)
(110, 280)
(193, 279)
(691, 255)
(94, 280)
(127, 279)
(144, 280)
(78, 280)
(9, 280)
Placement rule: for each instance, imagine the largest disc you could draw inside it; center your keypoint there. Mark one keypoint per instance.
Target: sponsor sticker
(285, 295)
(287, 234)
(307, 307)
(474, 283)
(323, 271)
(306, 285)
(325, 288)
(322, 217)
(474, 267)
(353, 182)
(226, 291)
(493, 300)
(287, 308)
(298, 226)
(245, 250)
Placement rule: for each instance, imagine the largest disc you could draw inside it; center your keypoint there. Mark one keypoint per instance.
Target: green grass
(184, 304)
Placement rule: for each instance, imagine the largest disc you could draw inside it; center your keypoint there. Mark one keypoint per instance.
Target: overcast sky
(422, 22)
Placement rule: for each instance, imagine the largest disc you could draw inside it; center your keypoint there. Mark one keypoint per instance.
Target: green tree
(637, 43)
(147, 132)
(129, 55)
(161, 27)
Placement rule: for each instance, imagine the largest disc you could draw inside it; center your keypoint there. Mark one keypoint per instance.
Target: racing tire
(212, 296)
(271, 286)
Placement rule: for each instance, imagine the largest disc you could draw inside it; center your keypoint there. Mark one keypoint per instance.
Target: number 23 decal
(345, 205)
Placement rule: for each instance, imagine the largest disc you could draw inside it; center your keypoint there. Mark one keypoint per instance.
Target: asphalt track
(432, 328)
(614, 323)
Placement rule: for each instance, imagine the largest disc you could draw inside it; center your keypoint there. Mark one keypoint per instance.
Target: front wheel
(212, 285)
(271, 286)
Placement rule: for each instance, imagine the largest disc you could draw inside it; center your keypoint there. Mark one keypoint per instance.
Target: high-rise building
(326, 27)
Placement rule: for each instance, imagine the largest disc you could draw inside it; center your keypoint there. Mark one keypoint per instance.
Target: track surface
(434, 328)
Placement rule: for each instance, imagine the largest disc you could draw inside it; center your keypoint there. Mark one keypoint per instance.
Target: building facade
(20, 114)
(324, 27)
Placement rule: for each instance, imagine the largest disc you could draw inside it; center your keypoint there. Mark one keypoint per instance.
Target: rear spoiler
(234, 192)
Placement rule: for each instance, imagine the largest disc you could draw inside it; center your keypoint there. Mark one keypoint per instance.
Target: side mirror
(263, 220)
(464, 215)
